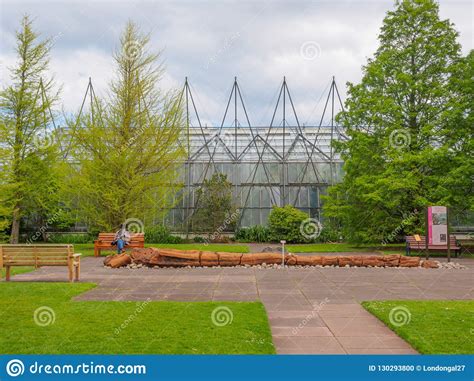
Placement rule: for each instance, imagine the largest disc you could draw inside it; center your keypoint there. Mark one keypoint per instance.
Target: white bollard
(283, 252)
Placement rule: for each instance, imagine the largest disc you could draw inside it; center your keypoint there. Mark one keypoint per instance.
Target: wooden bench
(104, 242)
(413, 244)
(39, 256)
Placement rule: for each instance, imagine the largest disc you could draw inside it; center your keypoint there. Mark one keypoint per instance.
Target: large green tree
(399, 120)
(30, 175)
(126, 149)
(215, 211)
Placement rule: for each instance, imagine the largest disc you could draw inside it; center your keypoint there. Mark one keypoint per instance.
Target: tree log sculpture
(182, 258)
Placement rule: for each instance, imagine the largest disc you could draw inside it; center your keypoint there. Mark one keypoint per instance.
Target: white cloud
(211, 42)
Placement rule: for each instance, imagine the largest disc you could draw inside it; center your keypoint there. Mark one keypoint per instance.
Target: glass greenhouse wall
(279, 164)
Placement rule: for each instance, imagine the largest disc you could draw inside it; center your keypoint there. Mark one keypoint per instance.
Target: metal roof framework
(236, 142)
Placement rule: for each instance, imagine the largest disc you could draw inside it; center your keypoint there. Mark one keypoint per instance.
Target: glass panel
(293, 172)
(254, 200)
(261, 176)
(246, 218)
(255, 217)
(304, 197)
(266, 197)
(293, 194)
(276, 194)
(273, 170)
(313, 197)
(247, 172)
(264, 216)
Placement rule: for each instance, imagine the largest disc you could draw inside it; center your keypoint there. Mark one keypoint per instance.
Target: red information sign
(437, 225)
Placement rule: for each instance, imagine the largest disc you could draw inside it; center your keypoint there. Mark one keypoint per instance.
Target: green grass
(345, 247)
(434, 327)
(87, 249)
(147, 328)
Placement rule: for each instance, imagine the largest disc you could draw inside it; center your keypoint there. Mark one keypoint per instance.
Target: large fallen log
(329, 261)
(309, 260)
(148, 256)
(209, 258)
(409, 261)
(164, 257)
(290, 259)
(117, 260)
(260, 258)
(392, 260)
(179, 258)
(345, 261)
(229, 259)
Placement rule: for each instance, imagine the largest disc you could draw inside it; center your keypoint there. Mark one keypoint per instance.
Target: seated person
(122, 238)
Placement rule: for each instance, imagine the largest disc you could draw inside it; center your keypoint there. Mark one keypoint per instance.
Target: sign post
(427, 235)
(447, 231)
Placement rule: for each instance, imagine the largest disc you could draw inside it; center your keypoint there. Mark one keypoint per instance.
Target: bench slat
(38, 258)
(37, 253)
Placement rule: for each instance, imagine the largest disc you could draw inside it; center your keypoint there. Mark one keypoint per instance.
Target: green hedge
(257, 233)
(160, 234)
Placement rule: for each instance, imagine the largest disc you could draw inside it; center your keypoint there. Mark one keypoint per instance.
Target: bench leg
(7, 275)
(96, 252)
(77, 271)
(70, 271)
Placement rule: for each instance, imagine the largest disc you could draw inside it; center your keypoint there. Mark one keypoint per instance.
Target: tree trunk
(15, 234)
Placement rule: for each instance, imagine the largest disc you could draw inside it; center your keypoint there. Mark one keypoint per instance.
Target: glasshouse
(284, 162)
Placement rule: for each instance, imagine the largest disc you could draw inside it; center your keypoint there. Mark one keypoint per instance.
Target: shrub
(199, 239)
(73, 238)
(257, 233)
(329, 234)
(160, 234)
(285, 224)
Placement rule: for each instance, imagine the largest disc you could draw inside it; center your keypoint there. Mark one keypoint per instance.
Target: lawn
(124, 327)
(87, 249)
(346, 247)
(433, 327)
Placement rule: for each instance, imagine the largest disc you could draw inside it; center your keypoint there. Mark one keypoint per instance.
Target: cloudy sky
(213, 41)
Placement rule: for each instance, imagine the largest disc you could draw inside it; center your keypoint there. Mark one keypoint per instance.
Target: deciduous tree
(127, 148)
(30, 176)
(396, 119)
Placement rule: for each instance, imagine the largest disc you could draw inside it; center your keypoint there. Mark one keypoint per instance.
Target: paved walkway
(312, 310)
